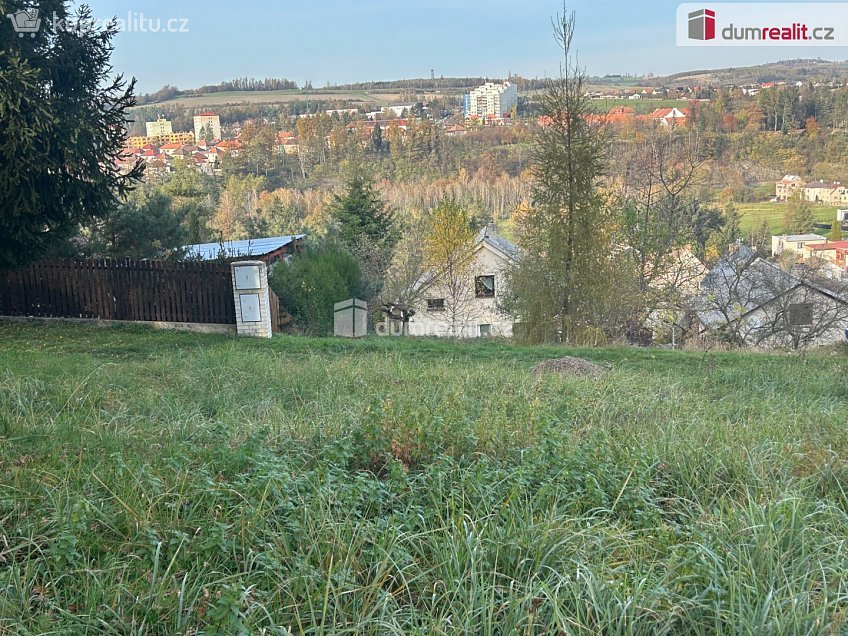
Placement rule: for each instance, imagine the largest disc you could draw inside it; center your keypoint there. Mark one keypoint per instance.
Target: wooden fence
(198, 292)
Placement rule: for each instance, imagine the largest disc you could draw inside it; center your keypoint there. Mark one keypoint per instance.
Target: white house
(759, 304)
(787, 186)
(470, 311)
(792, 243)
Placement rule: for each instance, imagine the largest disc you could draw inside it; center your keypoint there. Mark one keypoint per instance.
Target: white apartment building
(491, 100)
(203, 120)
(158, 127)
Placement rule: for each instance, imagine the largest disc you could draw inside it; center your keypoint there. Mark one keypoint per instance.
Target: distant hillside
(248, 90)
(804, 70)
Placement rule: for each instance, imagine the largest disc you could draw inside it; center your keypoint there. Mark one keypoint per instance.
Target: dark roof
(492, 238)
(742, 282)
(738, 283)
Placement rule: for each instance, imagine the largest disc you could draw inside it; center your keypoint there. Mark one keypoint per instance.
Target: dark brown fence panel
(275, 311)
(120, 290)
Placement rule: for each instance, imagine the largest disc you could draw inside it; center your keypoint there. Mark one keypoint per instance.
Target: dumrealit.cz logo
(767, 24)
(702, 24)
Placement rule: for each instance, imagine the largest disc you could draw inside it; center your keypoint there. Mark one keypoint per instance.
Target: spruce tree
(62, 128)
(798, 217)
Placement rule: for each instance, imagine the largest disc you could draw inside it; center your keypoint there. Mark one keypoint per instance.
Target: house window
(435, 304)
(485, 331)
(484, 286)
(801, 314)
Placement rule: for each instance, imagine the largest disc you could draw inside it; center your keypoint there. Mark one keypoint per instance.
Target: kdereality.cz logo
(29, 22)
(768, 24)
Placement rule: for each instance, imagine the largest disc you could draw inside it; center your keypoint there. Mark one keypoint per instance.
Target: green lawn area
(166, 483)
(754, 213)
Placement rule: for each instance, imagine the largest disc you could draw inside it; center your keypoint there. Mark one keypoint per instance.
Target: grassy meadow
(166, 483)
(753, 215)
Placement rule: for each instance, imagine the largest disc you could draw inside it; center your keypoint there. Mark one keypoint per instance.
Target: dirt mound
(571, 366)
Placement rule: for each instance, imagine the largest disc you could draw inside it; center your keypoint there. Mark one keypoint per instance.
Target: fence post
(252, 301)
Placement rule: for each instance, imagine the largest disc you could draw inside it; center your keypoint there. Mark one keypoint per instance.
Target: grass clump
(169, 483)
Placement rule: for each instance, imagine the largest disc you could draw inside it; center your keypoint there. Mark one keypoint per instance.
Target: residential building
(456, 130)
(755, 302)
(471, 311)
(788, 186)
(157, 140)
(792, 243)
(350, 112)
(669, 116)
(833, 251)
(207, 121)
(159, 127)
(491, 101)
(826, 193)
(233, 146)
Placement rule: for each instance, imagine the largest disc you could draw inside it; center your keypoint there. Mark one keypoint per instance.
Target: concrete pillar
(250, 294)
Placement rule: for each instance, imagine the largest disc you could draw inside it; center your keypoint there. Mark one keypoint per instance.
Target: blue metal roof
(238, 249)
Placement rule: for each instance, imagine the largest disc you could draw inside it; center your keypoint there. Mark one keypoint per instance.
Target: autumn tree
(448, 254)
(659, 218)
(236, 216)
(406, 276)
(258, 155)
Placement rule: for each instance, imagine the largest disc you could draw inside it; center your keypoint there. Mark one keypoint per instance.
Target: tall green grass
(163, 483)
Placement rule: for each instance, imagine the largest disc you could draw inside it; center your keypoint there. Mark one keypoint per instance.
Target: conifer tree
(62, 128)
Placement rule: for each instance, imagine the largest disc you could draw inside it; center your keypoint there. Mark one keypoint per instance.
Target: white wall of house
(769, 325)
(474, 316)
(792, 243)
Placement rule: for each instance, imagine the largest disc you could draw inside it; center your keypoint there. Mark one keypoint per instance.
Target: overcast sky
(349, 41)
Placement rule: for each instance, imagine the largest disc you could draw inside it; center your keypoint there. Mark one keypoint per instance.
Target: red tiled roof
(832, 245)
(621, 110)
